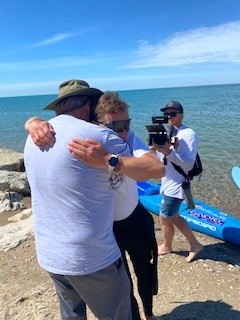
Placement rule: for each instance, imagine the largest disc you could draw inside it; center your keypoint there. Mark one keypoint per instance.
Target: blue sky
(117, 44)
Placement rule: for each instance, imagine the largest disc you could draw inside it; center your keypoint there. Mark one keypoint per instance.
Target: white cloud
(54, 39)
(219, 44)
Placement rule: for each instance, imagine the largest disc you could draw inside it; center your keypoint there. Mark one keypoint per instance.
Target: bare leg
(195, 246)
(168, 233)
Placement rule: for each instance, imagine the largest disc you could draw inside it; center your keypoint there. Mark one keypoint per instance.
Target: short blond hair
(110, 102)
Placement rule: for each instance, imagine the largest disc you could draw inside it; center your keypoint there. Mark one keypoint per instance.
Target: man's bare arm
(41, 132)
(146, 167)
(92, 153)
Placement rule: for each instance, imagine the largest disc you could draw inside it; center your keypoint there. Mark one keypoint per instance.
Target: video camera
(160, 131)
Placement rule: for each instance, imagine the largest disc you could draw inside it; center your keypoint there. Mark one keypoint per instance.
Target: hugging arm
(41, 132)
(146, 167)
(92, 153)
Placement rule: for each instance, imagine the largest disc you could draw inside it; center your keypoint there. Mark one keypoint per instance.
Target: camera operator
(182, 153)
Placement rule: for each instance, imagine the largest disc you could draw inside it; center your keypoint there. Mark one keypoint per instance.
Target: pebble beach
(207, 288)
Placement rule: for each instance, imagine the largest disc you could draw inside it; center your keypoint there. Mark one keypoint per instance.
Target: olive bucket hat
(75, 88)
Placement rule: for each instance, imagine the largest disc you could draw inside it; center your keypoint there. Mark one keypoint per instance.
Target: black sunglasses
(118, 126)
(171, 114)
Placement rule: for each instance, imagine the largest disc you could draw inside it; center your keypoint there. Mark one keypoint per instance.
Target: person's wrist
(106, 159)
(118, 166)
(27, 123)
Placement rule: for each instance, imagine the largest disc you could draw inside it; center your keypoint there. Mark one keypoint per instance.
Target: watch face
(113, 161)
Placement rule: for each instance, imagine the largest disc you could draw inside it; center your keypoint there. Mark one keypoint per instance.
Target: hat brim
(164, 109)
(92, 93)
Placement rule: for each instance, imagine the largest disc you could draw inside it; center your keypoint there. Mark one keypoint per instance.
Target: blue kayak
(203, 218)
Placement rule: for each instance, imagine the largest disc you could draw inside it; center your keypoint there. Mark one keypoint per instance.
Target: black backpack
(195, 171)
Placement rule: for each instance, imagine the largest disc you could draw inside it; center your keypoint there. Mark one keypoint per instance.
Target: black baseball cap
(173, 105)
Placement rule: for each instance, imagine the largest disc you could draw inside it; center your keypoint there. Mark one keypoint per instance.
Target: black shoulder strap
(180, 170)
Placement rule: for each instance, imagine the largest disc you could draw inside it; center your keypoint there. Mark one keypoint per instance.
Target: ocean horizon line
(127, 90)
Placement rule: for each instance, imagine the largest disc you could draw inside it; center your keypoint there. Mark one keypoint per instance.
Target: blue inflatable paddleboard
(236, 175)
(203, 218)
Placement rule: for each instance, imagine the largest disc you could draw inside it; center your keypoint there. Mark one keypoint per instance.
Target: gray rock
(19, 230)
(11, 201)
(14, 181)
(11, 160)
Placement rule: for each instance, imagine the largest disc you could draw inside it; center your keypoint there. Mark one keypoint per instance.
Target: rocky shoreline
(206, 289)
(13, 182)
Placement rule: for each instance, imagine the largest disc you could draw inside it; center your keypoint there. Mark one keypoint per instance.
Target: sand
(207, 288)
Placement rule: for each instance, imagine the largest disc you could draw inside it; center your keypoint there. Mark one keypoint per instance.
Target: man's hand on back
(42, 133)
(90, 152)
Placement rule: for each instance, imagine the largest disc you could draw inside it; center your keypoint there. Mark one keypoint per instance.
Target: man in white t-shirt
(183, 155)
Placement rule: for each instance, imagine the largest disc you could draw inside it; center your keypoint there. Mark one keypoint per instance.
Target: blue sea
(212, 111)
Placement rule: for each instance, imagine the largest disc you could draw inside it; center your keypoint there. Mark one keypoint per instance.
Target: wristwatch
(113, 161)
